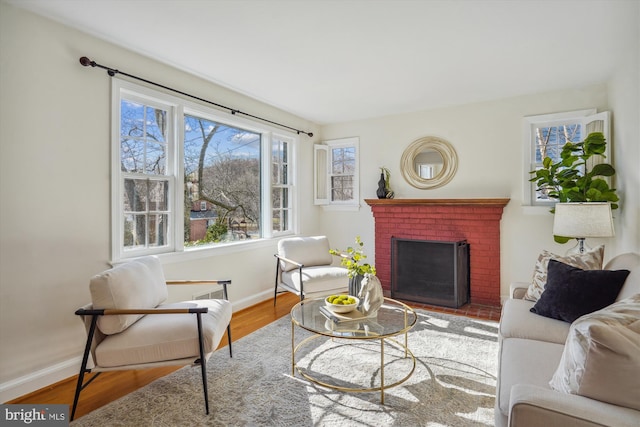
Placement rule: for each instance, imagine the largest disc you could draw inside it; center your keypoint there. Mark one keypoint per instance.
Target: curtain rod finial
(86, 62)
(310, 134)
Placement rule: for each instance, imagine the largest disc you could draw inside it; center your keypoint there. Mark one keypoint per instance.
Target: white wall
(624, 98)
(488, 139)
(55, 192)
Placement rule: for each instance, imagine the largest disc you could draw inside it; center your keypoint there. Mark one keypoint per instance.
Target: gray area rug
(453, 383)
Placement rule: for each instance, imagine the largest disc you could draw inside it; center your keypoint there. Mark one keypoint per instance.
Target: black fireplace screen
(430, 272)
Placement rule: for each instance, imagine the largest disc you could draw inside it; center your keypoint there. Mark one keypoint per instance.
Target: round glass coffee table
(392, 320)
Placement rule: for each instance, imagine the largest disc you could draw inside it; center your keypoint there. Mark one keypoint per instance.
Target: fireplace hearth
(431, 272)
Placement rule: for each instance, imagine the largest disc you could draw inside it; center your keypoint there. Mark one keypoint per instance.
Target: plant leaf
(603, 169)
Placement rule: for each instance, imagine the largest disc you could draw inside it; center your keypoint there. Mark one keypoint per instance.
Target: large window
(336, 173)
(191, 177)
(545, 135)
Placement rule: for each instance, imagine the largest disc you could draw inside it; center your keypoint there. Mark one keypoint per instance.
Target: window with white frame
(336, 181)
(281, 188)
(545, 135)
(187, 176)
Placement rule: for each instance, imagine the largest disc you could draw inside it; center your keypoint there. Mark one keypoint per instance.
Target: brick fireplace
(475, 220)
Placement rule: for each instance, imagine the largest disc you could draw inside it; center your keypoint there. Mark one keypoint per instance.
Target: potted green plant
(571, 180)
(363, 281)
(352, 260)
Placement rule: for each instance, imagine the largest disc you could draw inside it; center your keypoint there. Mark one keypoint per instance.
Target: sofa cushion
(310, 251)
(590, 260)
(524, 361)
(134, 284)
(161, 337)
(601, 359)
(572, 292)
(517, 321)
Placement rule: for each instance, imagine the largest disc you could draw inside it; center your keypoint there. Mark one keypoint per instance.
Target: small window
(545, 135)
(203, 206)
(336, 175)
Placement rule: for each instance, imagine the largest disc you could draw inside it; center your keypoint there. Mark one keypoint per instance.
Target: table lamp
(582, 220)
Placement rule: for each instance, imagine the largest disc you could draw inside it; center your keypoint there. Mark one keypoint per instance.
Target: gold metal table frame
(394, 318)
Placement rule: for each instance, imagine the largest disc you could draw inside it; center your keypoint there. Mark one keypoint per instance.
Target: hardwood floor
(113, 385)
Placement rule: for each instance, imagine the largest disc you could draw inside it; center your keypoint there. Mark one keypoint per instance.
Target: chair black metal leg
(275, 289)
(229, 339)
(203, 364)
(83, 367)
(78, 390)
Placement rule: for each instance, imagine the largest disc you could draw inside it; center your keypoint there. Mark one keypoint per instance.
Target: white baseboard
(58, 372)
(252, 300)
(39, 379)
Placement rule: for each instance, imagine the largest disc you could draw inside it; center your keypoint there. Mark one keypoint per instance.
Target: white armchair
(304, 267)
(129, 326)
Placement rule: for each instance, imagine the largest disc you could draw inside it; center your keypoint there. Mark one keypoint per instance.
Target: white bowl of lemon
(341, 303)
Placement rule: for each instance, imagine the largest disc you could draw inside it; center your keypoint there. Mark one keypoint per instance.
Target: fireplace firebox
(430, 272)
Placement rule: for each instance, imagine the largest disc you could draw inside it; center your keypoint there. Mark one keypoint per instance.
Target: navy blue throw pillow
(571, 292)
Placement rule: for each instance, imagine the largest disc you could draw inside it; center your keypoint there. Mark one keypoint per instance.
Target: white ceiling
(334, 61)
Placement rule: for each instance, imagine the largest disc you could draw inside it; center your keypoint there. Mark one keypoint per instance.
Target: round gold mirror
(429, 162)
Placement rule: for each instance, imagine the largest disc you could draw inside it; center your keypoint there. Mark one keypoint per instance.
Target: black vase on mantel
(382, 187)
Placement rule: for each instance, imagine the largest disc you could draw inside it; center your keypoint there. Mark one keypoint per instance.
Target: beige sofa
(531, 348)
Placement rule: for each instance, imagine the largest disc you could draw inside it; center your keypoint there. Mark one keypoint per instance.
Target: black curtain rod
(112, 72)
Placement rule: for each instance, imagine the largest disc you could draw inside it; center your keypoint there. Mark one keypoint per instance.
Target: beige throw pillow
(601, 358)
(591, 260)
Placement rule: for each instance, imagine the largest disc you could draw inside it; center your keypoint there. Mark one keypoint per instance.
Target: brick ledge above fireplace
(502, 202)
(474, 220)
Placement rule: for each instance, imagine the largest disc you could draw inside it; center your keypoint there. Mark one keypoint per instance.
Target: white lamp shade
(589, 219)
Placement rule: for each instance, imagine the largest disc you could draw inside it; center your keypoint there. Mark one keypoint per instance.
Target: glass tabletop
(393, 318)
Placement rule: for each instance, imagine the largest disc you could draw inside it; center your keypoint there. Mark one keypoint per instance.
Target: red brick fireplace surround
(475, 220)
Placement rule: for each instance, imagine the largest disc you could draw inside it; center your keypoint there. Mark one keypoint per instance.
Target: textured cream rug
(453, 383)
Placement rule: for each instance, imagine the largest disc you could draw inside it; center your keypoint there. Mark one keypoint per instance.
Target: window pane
(131, 155)
(155, 159)
(135, 195)
(343, 161)
(276, 222)
(131, 119)
(276, 198)
(550, 140)
(142, 138)
(134, 231)
(158, 195)
(341, 188)
(156, 124)
(158, 230)
(222, 167)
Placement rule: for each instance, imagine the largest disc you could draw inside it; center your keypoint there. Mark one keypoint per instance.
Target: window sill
(191, 254)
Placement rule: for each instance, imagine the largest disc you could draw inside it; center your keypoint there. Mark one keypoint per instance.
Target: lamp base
(580, 248)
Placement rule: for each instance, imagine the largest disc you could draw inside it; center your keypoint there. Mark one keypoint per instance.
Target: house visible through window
(191, 176)
(545, 135)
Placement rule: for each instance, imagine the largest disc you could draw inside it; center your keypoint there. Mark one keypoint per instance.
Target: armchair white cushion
(167, 337)
(135, 284)
(304, 267)
(129, 327)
